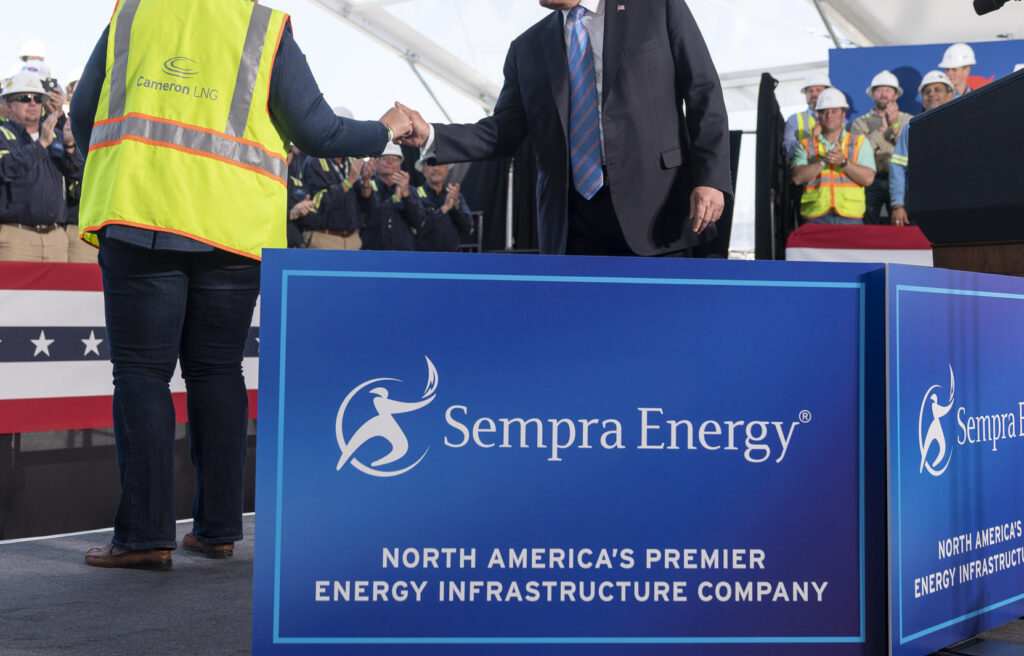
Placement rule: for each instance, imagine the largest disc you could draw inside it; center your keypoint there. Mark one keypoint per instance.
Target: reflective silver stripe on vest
(119, 70)
(203, 142)
(248, 68)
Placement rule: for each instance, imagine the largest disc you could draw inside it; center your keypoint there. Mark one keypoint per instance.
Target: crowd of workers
(855, 172)
(385, 203)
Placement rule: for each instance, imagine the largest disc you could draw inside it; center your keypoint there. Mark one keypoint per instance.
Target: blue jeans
(162, 305)
(876, 197)
(834, 219)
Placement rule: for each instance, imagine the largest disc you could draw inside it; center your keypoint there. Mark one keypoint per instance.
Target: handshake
(407, 126)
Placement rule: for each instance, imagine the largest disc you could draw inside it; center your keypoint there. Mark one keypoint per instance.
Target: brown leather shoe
(111, 556)
(225, 550)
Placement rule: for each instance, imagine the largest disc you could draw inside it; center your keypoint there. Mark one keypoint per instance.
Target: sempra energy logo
(984, 429)
(934, 439)
(754, 440)
(383, 425)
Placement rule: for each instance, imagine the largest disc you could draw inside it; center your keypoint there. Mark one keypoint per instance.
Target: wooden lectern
(965, 181)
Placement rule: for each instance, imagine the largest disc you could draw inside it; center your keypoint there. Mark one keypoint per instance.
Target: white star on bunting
(42, 344)
(92, 345)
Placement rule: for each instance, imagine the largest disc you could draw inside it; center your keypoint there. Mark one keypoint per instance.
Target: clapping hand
(401, 178)
(369, 168)
(301, 209)
(892, 114)
(451, 198)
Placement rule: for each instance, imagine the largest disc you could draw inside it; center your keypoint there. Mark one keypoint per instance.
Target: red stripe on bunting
(61, 276)
(879, 237)
(78, 413)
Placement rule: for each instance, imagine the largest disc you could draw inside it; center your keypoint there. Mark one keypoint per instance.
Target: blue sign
(956, 455)
(852, 69)
(472, 454)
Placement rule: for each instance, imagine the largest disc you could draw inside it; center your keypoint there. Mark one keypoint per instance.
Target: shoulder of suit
(533, 32)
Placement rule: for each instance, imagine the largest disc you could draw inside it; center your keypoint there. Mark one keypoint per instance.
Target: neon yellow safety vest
(182, 140)
(833, 189)
(804, 125)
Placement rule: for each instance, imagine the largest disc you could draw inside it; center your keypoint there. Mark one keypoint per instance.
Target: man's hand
(899, 216)
(55, 103)
(451, 198)
(420, 128)
(401, 179)
(69, 138)
(369, 168)
(706, 205)
(399, 123)
(834, 157)
(47, 131)
(892, 114)
(355, 169)
(301, 208)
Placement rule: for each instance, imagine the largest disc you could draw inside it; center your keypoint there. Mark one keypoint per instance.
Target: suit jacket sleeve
(494, 137)
(707, 122)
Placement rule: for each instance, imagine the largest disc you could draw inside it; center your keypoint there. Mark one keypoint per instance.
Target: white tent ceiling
(893, 22)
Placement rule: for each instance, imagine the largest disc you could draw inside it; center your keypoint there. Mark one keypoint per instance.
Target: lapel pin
(621, 7)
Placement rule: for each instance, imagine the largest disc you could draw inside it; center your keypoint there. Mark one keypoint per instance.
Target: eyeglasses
(27, 98)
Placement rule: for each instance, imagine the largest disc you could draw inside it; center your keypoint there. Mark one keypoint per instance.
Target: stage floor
(51, 602)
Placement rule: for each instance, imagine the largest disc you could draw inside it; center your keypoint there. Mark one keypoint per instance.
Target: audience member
(337, 214)
(835, 167)
(802, 124)
(958, 60)
(446, 216)
(299, 202)
(391, 217)
(936, 89)
(34, 160)
(78, 250)
(881, 126)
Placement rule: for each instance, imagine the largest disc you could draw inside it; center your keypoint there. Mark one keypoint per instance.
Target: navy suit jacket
(654, 60)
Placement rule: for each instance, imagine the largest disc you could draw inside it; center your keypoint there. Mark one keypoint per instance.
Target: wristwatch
(845, 162)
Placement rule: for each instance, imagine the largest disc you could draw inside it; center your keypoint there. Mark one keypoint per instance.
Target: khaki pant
(78, 250)
(324, 241)
(27, 245)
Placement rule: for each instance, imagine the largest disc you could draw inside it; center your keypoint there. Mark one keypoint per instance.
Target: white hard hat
(957, 55)
(831, 98)
(931, 77)
(886, 79)
(24, 82)
(1017, 67)
(818, 79)
(343, 112)
(74, 75)
(32, 48)
(40, 68)
(393, 149)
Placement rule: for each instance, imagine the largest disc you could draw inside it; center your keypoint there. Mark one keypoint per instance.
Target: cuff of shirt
(427, 151)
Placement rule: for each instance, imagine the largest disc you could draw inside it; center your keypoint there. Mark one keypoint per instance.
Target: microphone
(982, 7)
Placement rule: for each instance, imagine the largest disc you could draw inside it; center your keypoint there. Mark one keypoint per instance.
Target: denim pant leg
(144, 296)
(876, 196)
(221, 296)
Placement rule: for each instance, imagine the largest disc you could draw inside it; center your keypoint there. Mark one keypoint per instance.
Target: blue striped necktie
(584, 132)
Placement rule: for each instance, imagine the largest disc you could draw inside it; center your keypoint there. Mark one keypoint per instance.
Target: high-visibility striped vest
(805, 123)
(833, 189)
(182, 140)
